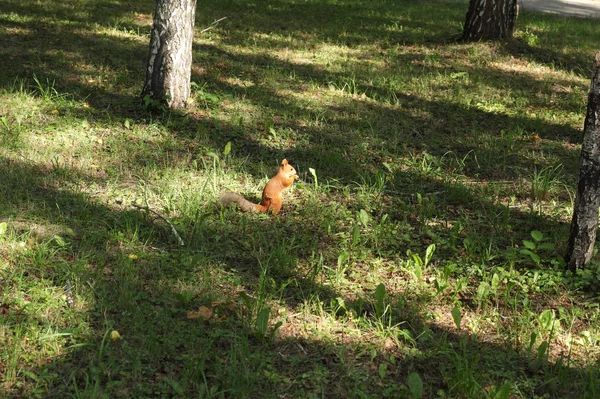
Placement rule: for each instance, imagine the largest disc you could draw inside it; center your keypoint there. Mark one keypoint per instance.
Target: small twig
(162, 251)
(212, 25)
(147, 208)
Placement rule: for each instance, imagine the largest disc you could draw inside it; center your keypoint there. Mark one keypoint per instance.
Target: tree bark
(585, 211)
(169, 66)
(490, 19)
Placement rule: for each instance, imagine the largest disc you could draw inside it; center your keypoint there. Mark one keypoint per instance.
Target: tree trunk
(490, 19)
(585, 212)
(170, 57)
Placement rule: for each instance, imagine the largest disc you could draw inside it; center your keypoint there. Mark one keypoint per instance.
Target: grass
(418, 256)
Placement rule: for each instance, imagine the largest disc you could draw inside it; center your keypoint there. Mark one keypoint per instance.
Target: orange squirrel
(271, 195)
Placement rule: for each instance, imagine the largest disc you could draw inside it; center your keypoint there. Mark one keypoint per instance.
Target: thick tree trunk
(585, 212)
(170, 57)
(490, 19)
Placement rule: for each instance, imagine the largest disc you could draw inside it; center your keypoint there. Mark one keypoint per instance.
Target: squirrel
(271, 195)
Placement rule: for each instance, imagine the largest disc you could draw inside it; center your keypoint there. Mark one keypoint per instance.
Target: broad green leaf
(355, 235)
(277, 325)
(379, 296)
(483, 291)
(417, 259)
(418, 266)
(227, 148)
(175, 385)
(407, 336)
(382, 370)
(456, 315)
(415, 385)
(429, 253)
(364, 217)
(529, 244)
(246, 299)
(60, 241)
(495, 281)
(533, 255)
(262, 321)
(342, 259)
(542, 350)
(537, 235)
(380, 292)
(29, 374)
(532, 340)
(504, 391)
(546, 319)
(2, 228)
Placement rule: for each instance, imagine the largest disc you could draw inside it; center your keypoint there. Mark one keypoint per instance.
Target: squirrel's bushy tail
(242, 203)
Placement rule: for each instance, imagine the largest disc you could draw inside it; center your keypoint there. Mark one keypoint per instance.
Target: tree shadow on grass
(78, 12)
(548, 40)
(400, 121)
(71, 59)
(354, 23)
(138, 296)
(64, 50)
(341, 149)
(163, 350)
(396, 119)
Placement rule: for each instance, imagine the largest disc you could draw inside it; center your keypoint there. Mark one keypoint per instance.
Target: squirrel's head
(288, 169)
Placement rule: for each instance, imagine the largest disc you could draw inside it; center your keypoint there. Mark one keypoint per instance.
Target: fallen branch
(147, 208)
(212, 25)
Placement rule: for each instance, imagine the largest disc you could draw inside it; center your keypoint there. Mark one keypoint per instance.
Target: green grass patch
(419, 255)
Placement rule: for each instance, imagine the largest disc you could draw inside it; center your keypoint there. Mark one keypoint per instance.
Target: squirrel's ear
(284, 162)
